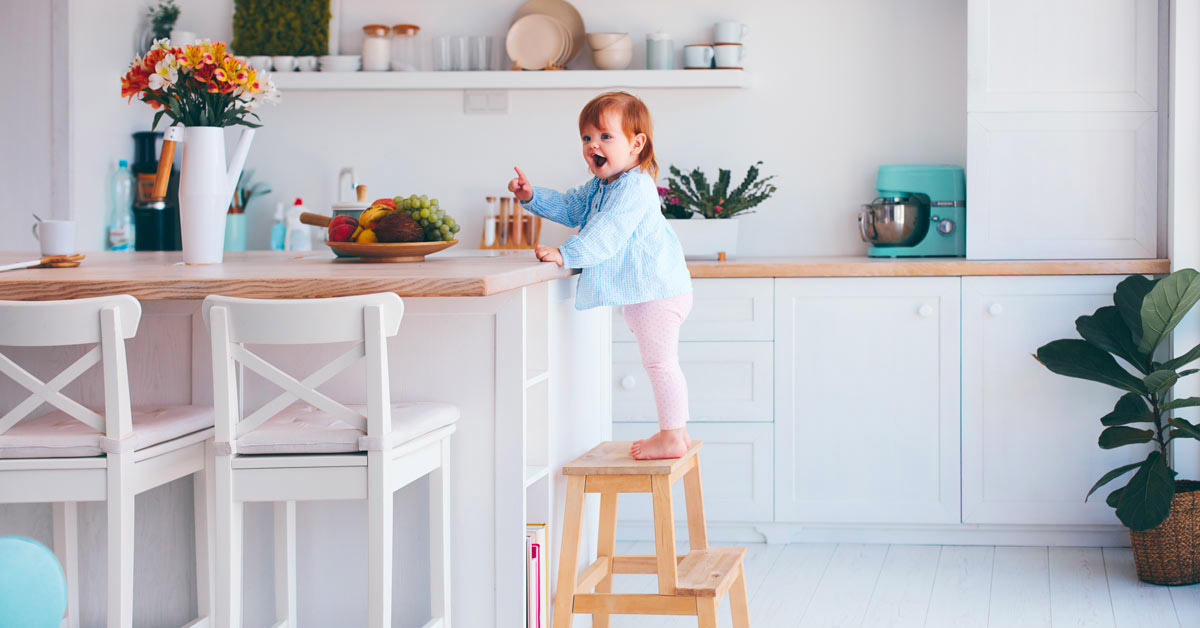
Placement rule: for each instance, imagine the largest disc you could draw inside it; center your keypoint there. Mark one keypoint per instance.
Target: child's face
(607, 151)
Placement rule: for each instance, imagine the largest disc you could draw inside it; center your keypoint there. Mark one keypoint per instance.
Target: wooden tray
(390, 251)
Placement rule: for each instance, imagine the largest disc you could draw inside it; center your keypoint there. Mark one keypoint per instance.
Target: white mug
(262, 63)
(728, 55)
(307, 63)
(729, 32)
(284, 63)
(697, 56)
(56, 236)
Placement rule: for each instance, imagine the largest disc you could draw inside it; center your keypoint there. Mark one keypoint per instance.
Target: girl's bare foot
(664, 444)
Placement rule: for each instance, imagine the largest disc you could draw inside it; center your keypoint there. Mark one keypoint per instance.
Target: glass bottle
(120, 217)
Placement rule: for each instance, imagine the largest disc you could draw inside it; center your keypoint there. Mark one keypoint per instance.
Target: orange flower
(192, 57)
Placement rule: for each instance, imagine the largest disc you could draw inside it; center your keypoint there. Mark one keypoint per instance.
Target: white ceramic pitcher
(205, 190)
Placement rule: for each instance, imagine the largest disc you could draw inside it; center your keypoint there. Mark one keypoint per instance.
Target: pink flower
(717, 209)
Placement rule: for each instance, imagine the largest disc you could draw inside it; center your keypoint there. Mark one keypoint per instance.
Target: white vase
(706, 237)
(205, 189)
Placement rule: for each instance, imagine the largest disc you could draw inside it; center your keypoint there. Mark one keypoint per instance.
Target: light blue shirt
(627, 251)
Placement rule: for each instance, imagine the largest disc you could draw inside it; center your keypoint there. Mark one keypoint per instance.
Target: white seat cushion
(303, 429)
(59, 435)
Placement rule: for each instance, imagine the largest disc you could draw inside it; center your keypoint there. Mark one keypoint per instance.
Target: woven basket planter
(1170, 553)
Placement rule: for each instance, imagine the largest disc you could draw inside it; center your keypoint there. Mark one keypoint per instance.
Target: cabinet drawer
(735, 470)
(727, 381)
(723, 309)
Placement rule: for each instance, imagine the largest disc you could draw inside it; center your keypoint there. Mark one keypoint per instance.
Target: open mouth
(599, 160)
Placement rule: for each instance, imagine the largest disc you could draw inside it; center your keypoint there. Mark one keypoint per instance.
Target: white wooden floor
(877, 586)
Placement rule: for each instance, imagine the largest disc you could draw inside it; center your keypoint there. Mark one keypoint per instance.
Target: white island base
(532, 377)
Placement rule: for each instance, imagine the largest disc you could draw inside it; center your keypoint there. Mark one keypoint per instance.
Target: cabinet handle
(925, 310)
(628, 382)
(995, 309)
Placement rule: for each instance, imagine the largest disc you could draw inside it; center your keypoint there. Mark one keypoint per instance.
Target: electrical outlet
(485, 101)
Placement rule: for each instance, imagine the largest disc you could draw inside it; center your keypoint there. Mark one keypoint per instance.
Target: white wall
(839, 88)
(25, 135)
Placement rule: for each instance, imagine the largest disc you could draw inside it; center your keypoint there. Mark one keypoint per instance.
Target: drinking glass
(497, 55)
(442, 59)
(460, 52)
(479, 52)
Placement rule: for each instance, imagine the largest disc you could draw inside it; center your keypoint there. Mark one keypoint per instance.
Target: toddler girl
(628, 255)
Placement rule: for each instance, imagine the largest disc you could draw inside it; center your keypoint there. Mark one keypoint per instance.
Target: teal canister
(660, 51)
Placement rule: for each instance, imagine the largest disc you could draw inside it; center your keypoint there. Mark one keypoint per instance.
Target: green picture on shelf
(281, 27)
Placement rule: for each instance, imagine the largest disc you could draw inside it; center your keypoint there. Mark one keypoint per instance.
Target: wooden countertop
(469, 273)
(274, 274)
(917, 267)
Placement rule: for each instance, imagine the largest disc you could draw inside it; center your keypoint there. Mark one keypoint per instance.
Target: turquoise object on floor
(33, 590)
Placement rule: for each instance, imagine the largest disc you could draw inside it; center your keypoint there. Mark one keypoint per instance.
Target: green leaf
(1110, 476)
(1186, 402)
(1083, 360)
(1175, 363)
(1114, 498)
(1188, 372)
(1160, 381)
(1166, 304)
(1184, 427)
(1128, 298)
(1120, 435)
(1130, 408)
(1107, 330)
(1146, 500)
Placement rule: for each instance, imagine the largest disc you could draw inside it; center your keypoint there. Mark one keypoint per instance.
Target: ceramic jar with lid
(376, 48)
(660, 51)
(405, 48)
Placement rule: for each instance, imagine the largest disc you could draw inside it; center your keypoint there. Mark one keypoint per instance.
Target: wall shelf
(564, 79)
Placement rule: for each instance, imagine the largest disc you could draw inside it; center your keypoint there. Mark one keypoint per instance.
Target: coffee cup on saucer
(697, 56)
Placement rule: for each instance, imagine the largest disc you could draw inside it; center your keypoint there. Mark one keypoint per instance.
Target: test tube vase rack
(513, 228)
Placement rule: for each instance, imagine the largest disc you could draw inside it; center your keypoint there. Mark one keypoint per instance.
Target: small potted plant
(1161, 512)
(689, 197)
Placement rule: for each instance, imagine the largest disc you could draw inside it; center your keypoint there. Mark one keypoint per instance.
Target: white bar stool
(336, 451)
(76, 454)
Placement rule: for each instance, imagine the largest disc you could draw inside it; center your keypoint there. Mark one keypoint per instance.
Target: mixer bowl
(894, 221)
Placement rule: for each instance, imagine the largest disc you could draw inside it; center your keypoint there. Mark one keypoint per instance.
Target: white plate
(565, 13)
(535, 41)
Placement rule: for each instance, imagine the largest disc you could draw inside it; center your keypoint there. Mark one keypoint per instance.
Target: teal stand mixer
(921, 211)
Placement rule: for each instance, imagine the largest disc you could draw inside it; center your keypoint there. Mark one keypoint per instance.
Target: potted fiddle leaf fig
(1161, 512)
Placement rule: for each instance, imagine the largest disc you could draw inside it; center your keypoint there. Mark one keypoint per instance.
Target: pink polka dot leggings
(656, 326)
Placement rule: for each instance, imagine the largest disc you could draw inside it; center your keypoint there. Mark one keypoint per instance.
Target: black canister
(160, 217)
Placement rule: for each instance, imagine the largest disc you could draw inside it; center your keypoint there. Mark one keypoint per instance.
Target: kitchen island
(495, 334)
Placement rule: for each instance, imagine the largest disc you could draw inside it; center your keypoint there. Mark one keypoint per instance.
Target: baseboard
(963, 534)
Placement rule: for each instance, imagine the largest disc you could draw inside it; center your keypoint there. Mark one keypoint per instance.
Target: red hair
(635, 118)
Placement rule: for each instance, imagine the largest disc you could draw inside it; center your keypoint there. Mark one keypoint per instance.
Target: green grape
(434, 201)
(424, 222)
(425, 213)
(451, 221)
(444, 228)
(454, 228)
(414, 214)
(398, 200)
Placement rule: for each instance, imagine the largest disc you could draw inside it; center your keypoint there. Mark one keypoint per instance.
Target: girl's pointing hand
(520, 187)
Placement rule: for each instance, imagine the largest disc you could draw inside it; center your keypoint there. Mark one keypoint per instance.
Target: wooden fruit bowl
(390, 251)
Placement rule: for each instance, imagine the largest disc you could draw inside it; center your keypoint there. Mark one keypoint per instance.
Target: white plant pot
(706, 237)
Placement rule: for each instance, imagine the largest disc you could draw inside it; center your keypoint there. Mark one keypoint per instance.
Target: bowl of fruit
(400, 229)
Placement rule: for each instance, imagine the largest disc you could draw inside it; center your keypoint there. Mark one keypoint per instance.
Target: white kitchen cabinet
(1062, 55)
(735, 470)
(866, 400)
(1062, 185)
(1029, 436)
(722, 309)
(727, 381)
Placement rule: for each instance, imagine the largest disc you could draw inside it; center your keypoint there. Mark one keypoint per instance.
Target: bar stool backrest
(368, 320)
(104, 321)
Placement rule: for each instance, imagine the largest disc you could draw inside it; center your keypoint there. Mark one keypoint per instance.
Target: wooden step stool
(687, 585)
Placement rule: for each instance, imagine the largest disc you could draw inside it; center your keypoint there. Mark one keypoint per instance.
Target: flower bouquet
(203, 88)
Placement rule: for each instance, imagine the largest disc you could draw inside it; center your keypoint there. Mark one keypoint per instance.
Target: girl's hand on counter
(548, 254)
(521, 189)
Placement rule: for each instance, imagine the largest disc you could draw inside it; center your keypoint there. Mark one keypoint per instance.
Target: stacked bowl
(545, 34)
(611, 51)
